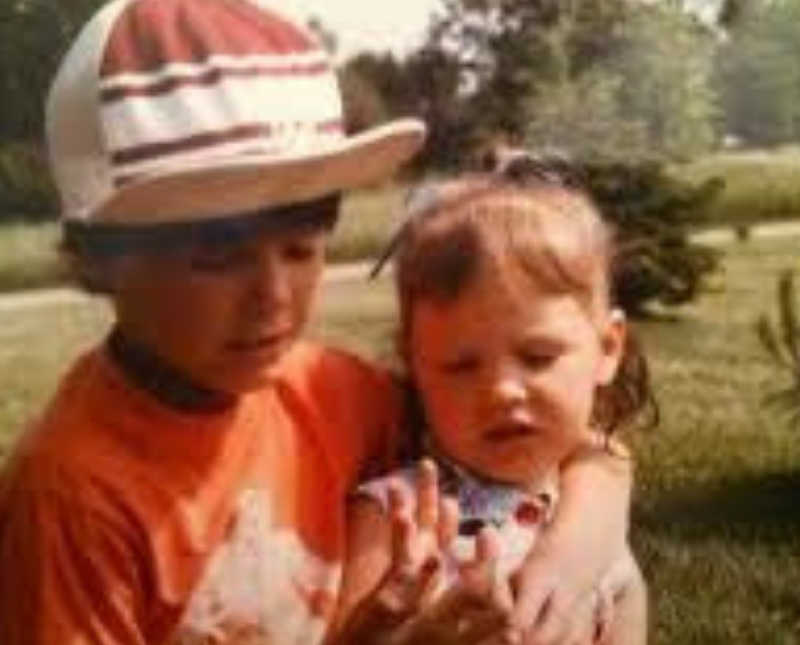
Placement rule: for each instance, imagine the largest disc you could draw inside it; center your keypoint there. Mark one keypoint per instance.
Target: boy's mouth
(259, 343)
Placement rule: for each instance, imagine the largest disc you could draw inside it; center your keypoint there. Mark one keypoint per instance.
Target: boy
(186, 483)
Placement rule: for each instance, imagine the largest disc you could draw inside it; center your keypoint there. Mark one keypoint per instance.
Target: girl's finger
(480, 575)
(487, 547)
(403, 530)
(427, 495)
(399, 497)
(448, 521)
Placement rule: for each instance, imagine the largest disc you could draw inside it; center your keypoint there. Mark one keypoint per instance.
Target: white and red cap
(184, 110)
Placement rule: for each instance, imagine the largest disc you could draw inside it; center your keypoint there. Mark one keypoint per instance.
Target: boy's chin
(244, 383)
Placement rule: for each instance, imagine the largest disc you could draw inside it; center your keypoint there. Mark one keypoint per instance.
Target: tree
(596, 78)
(426, 85)
(363, 104)
(757, 73)
(667, 79)
(34, 34)
(509, 50)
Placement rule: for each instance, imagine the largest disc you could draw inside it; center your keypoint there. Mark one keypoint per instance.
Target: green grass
(716, 519)
(29, 256)
(759, 185)
(368, 219)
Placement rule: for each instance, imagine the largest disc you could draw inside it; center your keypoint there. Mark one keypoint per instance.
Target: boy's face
(222, 315)
(508, 379)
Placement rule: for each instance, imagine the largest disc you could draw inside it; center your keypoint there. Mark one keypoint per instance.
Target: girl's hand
(474, 611)
(408, 607)
(420, 531)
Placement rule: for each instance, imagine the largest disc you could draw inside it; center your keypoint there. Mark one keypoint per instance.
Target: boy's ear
(612, 345)
(93, 275)
(401, 346)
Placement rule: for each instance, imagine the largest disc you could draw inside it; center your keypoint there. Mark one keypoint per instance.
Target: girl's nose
(508, 389)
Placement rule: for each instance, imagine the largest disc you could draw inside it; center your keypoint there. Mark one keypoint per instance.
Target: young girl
(519, 360)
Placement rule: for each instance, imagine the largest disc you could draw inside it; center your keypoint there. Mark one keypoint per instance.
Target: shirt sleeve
(68, 576)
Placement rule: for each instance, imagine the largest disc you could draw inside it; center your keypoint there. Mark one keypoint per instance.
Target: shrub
(783, 345)
(26, 191)
(653, 213)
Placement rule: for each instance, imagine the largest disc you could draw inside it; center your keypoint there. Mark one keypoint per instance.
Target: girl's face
(222, 315)
(508, 378)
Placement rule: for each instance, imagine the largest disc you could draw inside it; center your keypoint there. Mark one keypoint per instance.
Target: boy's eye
(461, 364)
(219, 258)
(300, 251)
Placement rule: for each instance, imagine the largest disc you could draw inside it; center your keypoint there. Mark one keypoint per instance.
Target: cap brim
(230, 186)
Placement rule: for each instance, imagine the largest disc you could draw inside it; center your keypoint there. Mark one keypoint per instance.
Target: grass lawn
(716, 518)
(29, 256)
(760, 185)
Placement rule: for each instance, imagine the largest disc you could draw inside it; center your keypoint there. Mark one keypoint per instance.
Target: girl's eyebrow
(543, 337)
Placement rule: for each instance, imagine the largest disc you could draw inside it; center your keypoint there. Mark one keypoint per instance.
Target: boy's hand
(556, 588)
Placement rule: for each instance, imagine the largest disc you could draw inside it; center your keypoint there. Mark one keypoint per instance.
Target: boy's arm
(555, 585)
(67, 577)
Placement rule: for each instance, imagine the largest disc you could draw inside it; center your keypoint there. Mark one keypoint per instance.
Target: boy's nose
(271, 280)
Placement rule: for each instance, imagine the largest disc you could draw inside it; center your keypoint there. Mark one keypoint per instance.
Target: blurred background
(685, 117)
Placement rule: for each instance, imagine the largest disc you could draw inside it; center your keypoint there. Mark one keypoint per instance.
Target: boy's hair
(529, 222)
(89, 247)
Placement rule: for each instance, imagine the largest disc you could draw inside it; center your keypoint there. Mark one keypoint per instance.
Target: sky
(396, 25)
(378, 25)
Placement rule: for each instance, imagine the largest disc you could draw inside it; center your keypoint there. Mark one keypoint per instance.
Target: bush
(653, 213)
(26, 191)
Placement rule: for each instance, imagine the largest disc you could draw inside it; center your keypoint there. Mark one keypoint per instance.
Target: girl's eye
(537, 359)
(461, 364)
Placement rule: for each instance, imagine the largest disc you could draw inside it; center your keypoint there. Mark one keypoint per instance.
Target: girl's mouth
(509, 432)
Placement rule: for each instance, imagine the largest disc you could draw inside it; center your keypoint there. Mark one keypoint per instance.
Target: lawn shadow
(762, 508)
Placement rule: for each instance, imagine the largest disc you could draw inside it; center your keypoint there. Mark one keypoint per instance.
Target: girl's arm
(554, 588)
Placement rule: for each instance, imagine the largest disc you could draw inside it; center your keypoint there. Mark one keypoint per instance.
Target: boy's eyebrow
(108, 240)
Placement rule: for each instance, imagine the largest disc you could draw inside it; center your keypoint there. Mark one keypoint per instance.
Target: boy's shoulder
(324, 368)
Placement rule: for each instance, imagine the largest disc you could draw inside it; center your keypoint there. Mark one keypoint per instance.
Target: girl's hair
(90, 246)
(531, 221)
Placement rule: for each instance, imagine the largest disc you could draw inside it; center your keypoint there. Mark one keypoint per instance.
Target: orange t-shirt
(126, 522)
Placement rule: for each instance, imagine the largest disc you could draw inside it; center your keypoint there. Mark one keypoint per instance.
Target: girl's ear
(612, 345)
